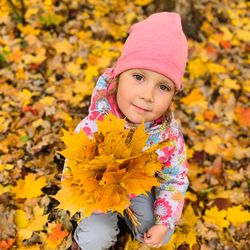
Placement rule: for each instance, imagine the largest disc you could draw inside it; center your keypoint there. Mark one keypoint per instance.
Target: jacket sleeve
(170, 195)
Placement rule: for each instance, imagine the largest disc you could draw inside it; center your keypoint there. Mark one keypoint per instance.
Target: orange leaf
(209, 115)
(56, 236)
(16, 56)
(243, 115)
(6, 244)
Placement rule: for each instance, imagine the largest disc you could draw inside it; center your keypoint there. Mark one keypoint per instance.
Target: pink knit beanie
(158, 44)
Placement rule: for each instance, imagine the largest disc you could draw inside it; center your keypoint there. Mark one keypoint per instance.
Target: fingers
(150, 242)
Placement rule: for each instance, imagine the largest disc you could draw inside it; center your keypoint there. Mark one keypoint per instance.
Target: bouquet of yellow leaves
(104, 171)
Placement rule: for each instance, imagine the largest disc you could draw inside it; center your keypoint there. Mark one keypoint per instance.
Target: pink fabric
(158, 44)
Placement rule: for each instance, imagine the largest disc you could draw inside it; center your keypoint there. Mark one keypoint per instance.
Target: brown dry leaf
(7, 227)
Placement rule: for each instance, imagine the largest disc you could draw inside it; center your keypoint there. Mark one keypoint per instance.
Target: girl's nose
(147, 94)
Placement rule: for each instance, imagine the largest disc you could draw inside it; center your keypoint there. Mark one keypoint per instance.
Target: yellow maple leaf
(69, 199)
(21, 219)
(189, 217)
(37, 59)
(30, 12)
(5, 189)
(188, 235)
(29, 187)
(237, 215)
(90, 72)
(131, 244)
(181, 237)
(185, 233)
(195, 98)
(211, 145)
(81, 149)
(63, 46)
(48, 100)
(219, 220)
(73, 68)
(33, 247)
(60, 114)
(39, 220)
(4, 123)
(21, 74)
(82, 88)
(196, 67)
(112, 28)
(26, 225)
(216, 68)
(105, 170)
(138, 135)
(28, 29)
(134, 181)
(190, 196)
(114, 124)
(243, 35)
(230, 83)
(25, 96)
(227, 34)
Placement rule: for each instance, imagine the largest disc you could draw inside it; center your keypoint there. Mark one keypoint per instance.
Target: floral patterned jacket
(170, 195)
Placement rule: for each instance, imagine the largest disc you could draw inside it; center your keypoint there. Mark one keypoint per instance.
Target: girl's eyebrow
(170, 83)
(141, 71)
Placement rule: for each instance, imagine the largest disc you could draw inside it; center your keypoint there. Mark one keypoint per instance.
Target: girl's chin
(136, 121)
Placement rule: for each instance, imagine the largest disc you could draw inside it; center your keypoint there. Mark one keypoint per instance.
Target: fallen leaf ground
(51, 53)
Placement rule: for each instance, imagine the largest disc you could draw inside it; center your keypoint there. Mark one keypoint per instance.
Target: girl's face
(144, 95)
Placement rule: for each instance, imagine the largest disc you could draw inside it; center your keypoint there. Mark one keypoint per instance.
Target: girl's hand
(155, 236)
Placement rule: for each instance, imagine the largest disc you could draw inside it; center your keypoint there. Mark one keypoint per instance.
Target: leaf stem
(132, 218)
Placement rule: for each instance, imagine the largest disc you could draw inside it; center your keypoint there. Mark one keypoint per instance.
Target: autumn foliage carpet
(51, 53)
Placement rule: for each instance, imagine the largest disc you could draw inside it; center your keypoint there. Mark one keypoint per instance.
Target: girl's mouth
(139, 109)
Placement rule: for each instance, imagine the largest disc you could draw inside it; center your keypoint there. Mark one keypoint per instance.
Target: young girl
(140, 89)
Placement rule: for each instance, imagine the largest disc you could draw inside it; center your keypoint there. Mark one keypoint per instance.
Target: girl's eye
(138, 77)
(164, 87)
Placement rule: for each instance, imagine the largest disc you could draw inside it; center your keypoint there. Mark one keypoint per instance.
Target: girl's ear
(113, 85)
